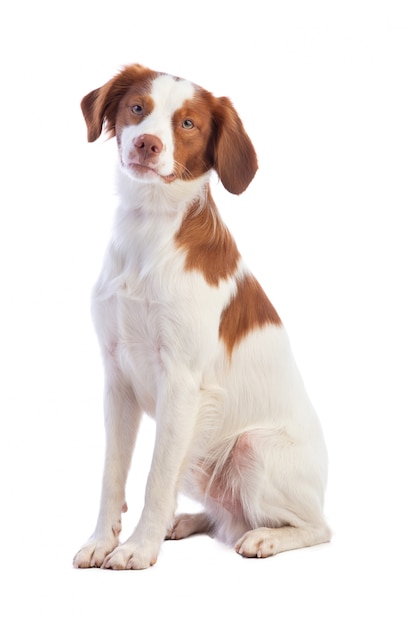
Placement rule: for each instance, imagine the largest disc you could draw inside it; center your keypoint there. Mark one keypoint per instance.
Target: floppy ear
(101, 105)
(93, 107)
(235, 159)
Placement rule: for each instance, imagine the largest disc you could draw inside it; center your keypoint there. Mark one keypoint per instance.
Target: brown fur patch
(192, 155)
(248, 309)
(101, 105)
(209, 247)
(137, 94)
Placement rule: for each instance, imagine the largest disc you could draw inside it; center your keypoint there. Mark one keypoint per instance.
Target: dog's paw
(188, 524)
(183, 526)
(94, 552)
(130, 555)
(259, 543)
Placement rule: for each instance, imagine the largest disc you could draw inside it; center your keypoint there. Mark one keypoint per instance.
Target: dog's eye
(137, 109)
(187, 124)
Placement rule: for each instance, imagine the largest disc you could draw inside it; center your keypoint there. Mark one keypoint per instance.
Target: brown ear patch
(100, 106)
(209, 247)
(249, 308)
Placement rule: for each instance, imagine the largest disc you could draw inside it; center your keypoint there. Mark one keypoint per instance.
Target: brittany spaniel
(189, 337)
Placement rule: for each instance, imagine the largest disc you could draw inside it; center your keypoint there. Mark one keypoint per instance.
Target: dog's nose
(148, 147)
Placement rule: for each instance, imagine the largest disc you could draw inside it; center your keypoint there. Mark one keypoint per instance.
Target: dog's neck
(155, 221)
(159, 196)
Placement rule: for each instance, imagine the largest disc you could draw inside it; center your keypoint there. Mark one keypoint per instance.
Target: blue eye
(187, 124)
(137, 109)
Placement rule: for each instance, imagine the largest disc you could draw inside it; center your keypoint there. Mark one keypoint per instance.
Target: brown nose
(148, 147)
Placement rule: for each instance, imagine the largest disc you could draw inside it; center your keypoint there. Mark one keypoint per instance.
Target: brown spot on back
(209, 247)
(249, 308)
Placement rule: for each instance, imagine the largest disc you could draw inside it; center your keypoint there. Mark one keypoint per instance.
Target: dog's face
(169, 129)
(163, 130)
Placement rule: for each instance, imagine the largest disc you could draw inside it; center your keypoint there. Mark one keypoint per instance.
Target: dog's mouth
(145, 171)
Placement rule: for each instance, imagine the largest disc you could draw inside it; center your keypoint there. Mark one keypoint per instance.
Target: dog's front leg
(122, 415)
(175, 424)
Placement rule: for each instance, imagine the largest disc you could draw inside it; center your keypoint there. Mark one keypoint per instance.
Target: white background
(329, 93)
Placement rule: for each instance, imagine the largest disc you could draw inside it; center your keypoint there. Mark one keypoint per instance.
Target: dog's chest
(143, 304)
(147, 292)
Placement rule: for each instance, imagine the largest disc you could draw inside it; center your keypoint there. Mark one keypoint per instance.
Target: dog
(189, 337)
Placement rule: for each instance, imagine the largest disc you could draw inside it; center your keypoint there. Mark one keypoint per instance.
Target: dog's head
(169, 129)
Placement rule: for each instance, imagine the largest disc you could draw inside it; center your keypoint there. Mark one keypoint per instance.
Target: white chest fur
(151, 315)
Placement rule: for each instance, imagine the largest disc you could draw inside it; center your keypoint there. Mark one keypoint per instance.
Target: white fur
(247, 419)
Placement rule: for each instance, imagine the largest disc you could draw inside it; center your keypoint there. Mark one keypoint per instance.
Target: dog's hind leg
(275, 484)
(263, 542)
